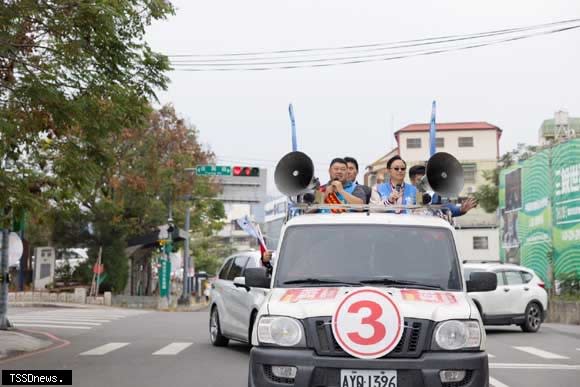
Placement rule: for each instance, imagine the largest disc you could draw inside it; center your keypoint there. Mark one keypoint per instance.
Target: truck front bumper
(318, 371)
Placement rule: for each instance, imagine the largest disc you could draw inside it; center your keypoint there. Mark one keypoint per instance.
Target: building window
(469, 173)
(439, 142)
(465, 142)
(413, 143)
(480, 243)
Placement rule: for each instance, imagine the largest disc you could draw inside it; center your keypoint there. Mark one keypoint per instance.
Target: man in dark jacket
(352, 172)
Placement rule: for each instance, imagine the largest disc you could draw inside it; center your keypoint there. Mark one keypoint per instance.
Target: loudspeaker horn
(444, 175)
(294, 174)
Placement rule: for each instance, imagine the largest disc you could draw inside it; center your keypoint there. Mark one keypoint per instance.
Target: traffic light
(243, 171)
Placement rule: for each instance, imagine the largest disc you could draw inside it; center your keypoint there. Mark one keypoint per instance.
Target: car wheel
(215, 331)
(533, 317)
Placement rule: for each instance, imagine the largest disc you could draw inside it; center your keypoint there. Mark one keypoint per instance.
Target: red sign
(367, 323)
(99, 269)
(428, 296)
(310, 294)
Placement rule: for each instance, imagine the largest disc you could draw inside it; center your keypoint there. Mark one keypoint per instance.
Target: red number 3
(379, 330)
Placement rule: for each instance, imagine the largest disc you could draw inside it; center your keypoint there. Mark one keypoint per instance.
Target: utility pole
(4, 324)
(186, 293)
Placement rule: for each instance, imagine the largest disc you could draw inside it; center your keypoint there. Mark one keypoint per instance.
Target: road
(119, 347)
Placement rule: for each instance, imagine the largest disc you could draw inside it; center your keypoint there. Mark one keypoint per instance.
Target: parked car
(233, 305)
(520, 297)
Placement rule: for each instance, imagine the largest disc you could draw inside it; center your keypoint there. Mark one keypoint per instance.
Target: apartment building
(476, 146)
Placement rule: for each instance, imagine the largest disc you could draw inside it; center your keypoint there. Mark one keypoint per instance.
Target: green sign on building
(539, 202)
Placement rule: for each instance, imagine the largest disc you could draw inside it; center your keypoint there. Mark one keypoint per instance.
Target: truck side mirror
(482, 282)
(257, 277)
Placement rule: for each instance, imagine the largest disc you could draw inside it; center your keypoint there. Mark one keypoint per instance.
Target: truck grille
(412, 343)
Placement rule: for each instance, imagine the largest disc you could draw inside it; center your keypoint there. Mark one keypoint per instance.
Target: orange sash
(331, 198)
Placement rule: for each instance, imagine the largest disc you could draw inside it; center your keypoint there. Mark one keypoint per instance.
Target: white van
(368, 300)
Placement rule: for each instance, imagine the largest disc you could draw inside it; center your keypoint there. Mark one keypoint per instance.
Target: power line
(326, 62)
(394, 44)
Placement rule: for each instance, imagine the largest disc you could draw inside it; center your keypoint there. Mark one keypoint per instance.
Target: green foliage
(569, 284)
(209, 255)
(71, 74)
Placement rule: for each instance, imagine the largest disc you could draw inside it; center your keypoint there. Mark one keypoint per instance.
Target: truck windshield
(412, 255)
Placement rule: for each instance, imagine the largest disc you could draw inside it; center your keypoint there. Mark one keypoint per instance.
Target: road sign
(367, 323)
(164, 278)
(213, 170)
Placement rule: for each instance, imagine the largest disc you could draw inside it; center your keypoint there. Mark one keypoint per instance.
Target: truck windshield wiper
(315, 281)
(400, 283)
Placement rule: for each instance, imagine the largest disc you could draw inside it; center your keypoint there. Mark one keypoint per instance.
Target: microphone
(398, 187)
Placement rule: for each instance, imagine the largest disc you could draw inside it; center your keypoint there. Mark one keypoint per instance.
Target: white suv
(520, 297)
(233, 305)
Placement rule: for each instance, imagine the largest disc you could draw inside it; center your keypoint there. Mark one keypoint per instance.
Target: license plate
(368, 378)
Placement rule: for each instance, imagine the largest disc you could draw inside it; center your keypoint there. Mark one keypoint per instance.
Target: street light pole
(186, 294)
(4, 324)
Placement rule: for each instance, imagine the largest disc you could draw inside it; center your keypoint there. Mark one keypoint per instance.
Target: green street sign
(164, 278)
(213, 170)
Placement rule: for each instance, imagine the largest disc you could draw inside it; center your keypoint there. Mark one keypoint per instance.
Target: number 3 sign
(367, 323)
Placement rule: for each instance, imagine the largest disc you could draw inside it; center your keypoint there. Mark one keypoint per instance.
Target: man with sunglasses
(395, 191)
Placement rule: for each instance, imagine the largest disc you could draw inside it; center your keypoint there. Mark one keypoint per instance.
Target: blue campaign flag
(293, 124)
(432, 132)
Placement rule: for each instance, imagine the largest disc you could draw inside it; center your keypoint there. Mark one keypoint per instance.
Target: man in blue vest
(395, 191)
(338, 190)
(352, 172)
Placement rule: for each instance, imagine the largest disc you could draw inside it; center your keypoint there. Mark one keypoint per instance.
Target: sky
(354, 109)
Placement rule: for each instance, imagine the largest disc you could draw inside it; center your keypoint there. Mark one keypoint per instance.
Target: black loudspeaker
(444, 175)
(294, 174)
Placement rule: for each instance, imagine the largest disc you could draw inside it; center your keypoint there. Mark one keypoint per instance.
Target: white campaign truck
(368, 300)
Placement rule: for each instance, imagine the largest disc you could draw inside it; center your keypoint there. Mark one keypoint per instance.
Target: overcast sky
(351, 110)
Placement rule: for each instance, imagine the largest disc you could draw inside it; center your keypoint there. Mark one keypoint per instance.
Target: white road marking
(49, 326)
(46, 321)
(520, 366)
(490, 355)
(541, 353)
(172, 349)
(58, 319)
(104, 349)
(496, 383)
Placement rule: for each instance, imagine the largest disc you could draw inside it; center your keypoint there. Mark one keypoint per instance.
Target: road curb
(27, 343)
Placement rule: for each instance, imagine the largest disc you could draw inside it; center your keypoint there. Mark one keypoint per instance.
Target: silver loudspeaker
(444, 175)
(294, 174)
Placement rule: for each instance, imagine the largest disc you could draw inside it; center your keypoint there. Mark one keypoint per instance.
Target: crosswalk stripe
(496, 383)
(526, 366)
(44, 321)
(104, 349)
(541, 353)
(172, 349)
(58, 319)
(27, 325)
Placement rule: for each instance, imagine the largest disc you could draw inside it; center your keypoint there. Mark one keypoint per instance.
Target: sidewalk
(15, 342)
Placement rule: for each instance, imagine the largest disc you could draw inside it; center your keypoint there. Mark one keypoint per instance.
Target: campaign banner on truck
(566, 207)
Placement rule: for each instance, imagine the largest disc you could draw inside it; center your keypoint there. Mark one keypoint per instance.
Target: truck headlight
(282, 331)
(457, 334)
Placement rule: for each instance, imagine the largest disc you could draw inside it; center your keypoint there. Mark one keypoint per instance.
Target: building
(560, 127)
(476, 146)
(275, 215)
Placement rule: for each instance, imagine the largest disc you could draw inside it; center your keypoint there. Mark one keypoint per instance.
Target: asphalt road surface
(120, 347)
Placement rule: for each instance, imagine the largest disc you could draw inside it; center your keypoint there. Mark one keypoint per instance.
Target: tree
(132, 196)
(71, 74)
(488, 194)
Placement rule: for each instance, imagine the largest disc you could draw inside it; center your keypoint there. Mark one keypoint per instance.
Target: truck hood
(432, 305)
